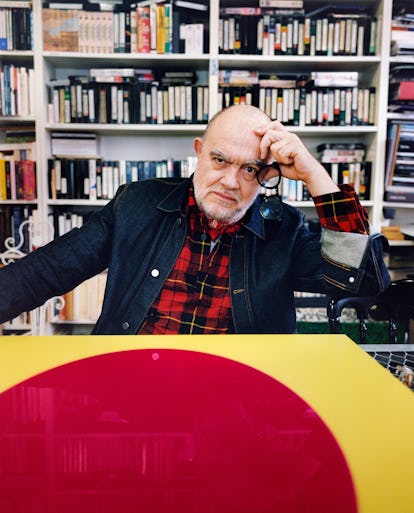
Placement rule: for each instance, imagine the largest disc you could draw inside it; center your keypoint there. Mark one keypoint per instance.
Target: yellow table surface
(370, 413)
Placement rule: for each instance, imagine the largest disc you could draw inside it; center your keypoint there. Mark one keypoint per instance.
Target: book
(64, 5)
(143, 29)
(112, 74)
(74, 143)
(189, 27)
(339, 146)
(28, 191)
(402, 91)
(51, 29)
(244, 11)
(238, 77)
(401, 195)
(190, 5)
(275, 82)
(334, 78)
(282, 4)
(393, 139)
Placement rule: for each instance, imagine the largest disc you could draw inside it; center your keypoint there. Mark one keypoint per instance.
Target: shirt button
(351, 279)
(125, 325)
(155, 273)
(204, 237)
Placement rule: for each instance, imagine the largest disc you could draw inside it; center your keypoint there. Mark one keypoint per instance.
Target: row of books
(11, 219)
(345, 162)
(85, 101)
(65, 220)
(297, 106)
(16, 90)
(18, 180)
(19, 324)
(357, 174)
(17, 172)
(83, 303)
(168, 27)
(16, 25)
(262, 31)
(399, 170)
(93, 178)
(96, 179)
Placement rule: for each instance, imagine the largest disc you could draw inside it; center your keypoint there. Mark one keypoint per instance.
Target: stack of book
(18, 134)
(402, 28)
(401, 90)
(73, 144)
(346, 164)
(399, 171)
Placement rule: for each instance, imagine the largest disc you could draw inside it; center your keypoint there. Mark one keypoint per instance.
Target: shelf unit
(162, 141)
(154, 141)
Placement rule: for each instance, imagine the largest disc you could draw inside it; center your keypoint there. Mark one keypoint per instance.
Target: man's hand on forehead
(271, 134)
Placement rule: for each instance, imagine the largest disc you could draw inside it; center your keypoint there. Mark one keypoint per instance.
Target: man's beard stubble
(214, 211)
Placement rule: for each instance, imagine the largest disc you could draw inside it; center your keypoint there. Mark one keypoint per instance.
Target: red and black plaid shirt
(195, 298)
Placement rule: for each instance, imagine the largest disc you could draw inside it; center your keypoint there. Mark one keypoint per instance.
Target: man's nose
(231, 177)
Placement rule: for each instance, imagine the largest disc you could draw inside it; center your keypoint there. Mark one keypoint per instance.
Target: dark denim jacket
(139, 235)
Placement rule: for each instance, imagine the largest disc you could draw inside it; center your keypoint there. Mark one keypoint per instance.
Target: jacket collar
(175, 201)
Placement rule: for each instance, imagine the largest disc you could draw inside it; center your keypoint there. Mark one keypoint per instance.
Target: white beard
(213, 210)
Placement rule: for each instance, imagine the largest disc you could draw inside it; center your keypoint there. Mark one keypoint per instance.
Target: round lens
(269, 176)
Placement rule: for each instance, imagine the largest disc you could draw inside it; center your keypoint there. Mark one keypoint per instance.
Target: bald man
(200, 255)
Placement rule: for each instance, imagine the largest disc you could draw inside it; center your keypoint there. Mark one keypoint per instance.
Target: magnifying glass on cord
(271, 207)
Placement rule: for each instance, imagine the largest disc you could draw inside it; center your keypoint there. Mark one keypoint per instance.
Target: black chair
(395, 304)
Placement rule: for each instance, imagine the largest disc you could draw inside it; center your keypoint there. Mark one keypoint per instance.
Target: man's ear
(198, 144)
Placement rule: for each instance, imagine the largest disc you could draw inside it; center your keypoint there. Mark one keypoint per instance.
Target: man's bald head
(243, 116)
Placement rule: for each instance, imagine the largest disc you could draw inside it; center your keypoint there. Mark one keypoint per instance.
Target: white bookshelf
(373, 71)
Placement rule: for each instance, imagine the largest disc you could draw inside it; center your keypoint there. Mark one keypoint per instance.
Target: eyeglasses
(263, 173)
(266, 175)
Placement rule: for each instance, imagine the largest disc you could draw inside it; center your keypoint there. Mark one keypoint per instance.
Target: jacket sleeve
(353, 260)
(57, 267)
(339, 263)
(353, 263)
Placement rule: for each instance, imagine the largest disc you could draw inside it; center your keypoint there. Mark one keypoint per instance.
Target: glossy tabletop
(201, 424)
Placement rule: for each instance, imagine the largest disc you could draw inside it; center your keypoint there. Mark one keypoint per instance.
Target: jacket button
(155, 273)
(351, 279)
(179, 220)
(125, 325)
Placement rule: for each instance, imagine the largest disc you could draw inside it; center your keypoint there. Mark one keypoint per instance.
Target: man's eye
(219, 160)
(251, 170)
